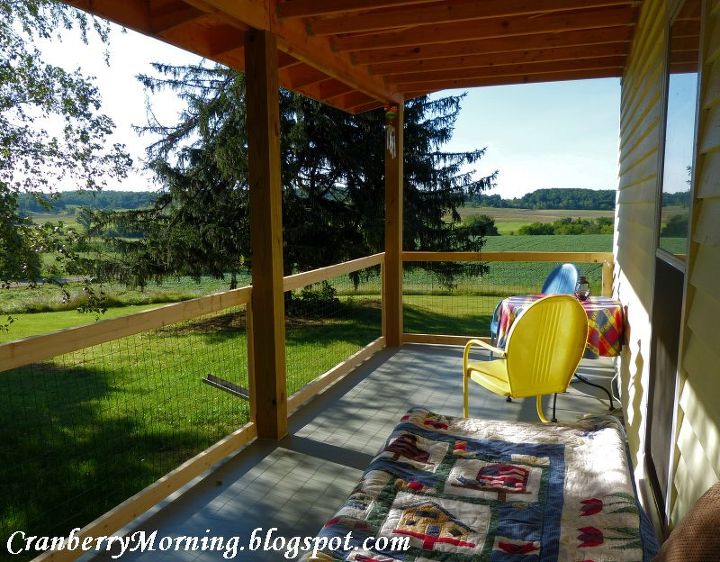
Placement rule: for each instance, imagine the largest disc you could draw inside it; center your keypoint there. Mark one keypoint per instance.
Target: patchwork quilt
(471, 490)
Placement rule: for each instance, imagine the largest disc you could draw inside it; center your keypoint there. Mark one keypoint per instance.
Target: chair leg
(539, 407)
(554, 419)
(466, 404)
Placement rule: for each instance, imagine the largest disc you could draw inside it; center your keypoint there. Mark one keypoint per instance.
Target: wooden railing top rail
(300, 280)
(576, 257)
(37, 348)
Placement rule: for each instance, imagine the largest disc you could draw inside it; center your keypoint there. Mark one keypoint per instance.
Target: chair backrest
(545, 346)
(561, 280)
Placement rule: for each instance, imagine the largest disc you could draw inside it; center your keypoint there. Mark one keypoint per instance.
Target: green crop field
(509, 221)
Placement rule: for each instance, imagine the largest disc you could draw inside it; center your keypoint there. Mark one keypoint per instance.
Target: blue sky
(537, 135)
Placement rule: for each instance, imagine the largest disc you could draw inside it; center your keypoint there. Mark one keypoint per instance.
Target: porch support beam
(263, 123)
(393, 270)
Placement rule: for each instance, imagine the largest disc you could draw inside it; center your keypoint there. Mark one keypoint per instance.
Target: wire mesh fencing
(454, 298)
(84, 431)
(327, 322)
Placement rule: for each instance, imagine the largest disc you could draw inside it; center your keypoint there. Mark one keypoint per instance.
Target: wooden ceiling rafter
(311, 8)
(391, 69)
(509, 80)
(530, 69)
(449, 12)
(175, 15)
(618, 34)
(357, 55)
(488, 29)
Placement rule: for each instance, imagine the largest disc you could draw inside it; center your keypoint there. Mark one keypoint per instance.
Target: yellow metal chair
(543, 350)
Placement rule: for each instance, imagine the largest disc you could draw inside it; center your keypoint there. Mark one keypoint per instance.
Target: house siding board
(706, 271)
(698, 450)
(698, 401)
(636, 215)
(707, 231)
(704, 472)
(640, 190)
(709, 182)
(702, 317)
(711, 136)
(643, 126)
(641, 170)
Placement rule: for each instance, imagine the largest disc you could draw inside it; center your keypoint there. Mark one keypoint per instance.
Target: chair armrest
(480, 343)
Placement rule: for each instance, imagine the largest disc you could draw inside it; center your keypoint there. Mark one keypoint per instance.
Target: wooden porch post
(393, 270)
(268, 308)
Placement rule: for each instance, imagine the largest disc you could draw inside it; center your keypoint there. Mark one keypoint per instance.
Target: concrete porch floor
(296, 484)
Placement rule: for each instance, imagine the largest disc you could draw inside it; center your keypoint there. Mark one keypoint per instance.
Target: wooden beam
(134, 14)
(292, 39)
(263, 125)
(487, 29)
(301, 74)
(317, 52)
(608, 268)
(351, 99)
(507, 80)
(448, 12)
(362, 108)
(307, 8)
(531, 69)
(39, 348)
(251, 13)
(391, 69)
(299, 280)
(393, 269)
(338, 372)
(620, 35)
(326, 89)
(434, 339)
(174, 15)
(211, 41)
(573, 257)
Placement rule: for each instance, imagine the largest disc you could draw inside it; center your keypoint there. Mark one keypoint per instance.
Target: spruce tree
(332, 176)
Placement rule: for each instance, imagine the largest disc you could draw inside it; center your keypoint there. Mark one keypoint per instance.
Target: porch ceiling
(358, 55)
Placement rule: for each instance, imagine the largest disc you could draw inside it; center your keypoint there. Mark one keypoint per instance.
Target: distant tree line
(60, 202)
(568, 198)
(601, 225)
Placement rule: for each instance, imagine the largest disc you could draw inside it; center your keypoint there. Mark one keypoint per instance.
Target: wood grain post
(607, 278)
(268, 308)
(393, 271)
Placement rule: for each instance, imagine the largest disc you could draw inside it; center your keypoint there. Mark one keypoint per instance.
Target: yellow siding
(636, 220)
(698, 450)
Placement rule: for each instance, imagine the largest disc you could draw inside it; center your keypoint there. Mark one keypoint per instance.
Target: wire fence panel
(458, 299)
(84, 431)
(327, 322)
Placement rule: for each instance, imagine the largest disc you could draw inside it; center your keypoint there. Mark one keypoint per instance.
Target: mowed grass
(93, 427)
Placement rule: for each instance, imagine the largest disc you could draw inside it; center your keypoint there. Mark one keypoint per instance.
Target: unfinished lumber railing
(101, 422)
(333, 323)
(450, 296)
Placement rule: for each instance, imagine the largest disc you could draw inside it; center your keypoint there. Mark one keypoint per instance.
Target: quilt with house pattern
(471, 490)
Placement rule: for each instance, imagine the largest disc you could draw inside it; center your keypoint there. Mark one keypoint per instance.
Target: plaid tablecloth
(605, 316)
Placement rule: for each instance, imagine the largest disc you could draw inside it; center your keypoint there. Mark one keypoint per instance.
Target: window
(683, 68)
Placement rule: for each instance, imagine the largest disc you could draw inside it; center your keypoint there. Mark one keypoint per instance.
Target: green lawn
(93, 427)
(33, 324)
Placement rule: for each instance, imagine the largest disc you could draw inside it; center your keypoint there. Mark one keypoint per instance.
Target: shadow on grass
(74, 447)
(345, 322)
(421, 320)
